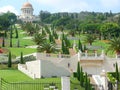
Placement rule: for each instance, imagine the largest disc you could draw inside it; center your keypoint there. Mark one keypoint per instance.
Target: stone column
(74, 45)
(79, 55)
(95, 53)
(103, 54)
(105, 81)
(86, 53)
(65, 81)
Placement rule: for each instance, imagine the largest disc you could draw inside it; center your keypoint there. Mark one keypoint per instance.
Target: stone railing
(91, 56)
(47, 56)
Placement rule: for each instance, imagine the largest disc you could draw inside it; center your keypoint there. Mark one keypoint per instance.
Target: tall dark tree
(16, 31)
(78, 71)
(10, 42)
(10, 31)
(3, 42)
(81, 77)
(80, 45)
(86, 82)
(18, 43)
(117, 72)
(9, 60)
(21, 59)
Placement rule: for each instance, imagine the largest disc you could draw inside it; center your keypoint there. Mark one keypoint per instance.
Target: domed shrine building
(27, 13)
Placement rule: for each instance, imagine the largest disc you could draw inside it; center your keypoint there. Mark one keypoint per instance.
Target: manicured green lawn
(14, 75)
(16, 51)
(75, 84)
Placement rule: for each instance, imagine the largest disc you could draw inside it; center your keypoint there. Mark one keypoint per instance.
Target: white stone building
(27, 13)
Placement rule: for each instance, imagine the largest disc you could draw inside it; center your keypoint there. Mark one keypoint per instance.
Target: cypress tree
(10, 42)
(86, 82)
(80, 45)
(117, 72)
(81, 77)
(10, 31)
(3, 42)
(9, 60)
(5, 34)
(85, 48)
(21, 59)
(63, 47)
(78, 71)
(16, 32)
(18, 43)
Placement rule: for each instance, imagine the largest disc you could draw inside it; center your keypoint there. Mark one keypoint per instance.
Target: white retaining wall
(34, 67)
(22, 68)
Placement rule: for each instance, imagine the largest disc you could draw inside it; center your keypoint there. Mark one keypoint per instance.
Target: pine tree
(21, 59)
(78, 71)
(9, 60)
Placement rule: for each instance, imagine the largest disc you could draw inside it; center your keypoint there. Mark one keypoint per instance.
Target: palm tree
(90, 39)
(114, 45)
(39, 38)
(47, 47)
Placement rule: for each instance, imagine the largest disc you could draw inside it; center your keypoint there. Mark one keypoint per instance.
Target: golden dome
(27, 5)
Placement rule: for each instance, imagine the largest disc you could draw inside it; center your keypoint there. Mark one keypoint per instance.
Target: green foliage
(90, 39)
(117, 72)
(21, 58)
(81, 77)
(9, 60)
(7, 19)
(5, 34)
(18, 43)
(84, 48)
(51, 38)
(114, 45)
(47, 47)
(86, 82)
(10, 42)
(109, 30)
(11, 32)
(78, 71)
(16, 31)
(30, 28)
(3, 42)
(39, 38)
(80, 45)
(112, 77)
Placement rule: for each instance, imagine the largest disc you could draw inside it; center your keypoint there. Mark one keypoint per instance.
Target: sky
(55, 6)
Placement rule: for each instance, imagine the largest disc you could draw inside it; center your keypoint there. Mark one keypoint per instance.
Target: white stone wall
(34, 67)
(22, 68)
